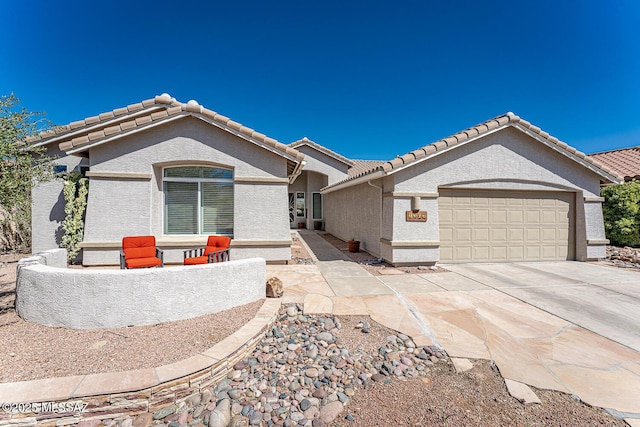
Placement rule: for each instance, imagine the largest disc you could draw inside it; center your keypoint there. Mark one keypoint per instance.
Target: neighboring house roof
(81, 135)
(625, 162)
(322, 149)
(450, 142)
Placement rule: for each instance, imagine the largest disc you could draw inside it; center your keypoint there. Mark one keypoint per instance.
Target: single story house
(503, 190)
(625, 162)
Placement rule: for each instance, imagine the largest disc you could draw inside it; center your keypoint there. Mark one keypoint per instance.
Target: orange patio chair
(140, 252)
(217, 250)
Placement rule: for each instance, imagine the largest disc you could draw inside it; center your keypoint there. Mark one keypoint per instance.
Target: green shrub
(621, 210)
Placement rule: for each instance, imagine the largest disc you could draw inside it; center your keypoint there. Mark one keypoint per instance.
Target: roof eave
(355, 181)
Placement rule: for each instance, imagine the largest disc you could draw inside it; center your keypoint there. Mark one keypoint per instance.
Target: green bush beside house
(621, 210)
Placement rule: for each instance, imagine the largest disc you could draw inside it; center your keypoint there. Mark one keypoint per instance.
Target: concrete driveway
(602, 299)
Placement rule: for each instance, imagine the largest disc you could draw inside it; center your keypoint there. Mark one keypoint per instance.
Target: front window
(198, 200)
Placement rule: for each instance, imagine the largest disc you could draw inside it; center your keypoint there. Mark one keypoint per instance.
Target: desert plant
(22, 165)
(621, 210)
(75, 190)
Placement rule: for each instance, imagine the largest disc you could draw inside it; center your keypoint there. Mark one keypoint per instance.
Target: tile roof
(625, 162)
(505, 120)
(322, 149)
(361, 166)
(80, 135)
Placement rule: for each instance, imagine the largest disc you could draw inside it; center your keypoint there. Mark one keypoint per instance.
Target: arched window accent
(198, 200)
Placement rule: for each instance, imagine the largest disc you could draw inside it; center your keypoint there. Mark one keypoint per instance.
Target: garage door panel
(462, 216)
(498, 234)
(496, 225)
(533, 252)
(481, 216)
(499, 216)
(481, 235)
(499, 253)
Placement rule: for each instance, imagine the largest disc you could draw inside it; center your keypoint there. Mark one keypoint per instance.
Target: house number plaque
(416, 216)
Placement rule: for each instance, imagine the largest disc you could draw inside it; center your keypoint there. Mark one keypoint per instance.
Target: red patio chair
(217, 250)
(140, 252)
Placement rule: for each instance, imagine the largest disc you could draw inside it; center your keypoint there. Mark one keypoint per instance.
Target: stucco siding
(355, 213)
(116, 209)
(261, 212)
(316, 161)
(47, 209)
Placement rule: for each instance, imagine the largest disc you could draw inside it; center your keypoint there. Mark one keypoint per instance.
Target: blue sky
(368, 79)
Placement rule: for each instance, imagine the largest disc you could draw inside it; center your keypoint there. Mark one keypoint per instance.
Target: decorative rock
(162, 413)
(221, 415)
(305, 404)
(274, 288)
(330, 411)
(311, 373)
(378, 377)
(325, 336)
(320, 393)
(292, 310)
(239, 421)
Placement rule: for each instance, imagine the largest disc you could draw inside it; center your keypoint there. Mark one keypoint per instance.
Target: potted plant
(353, 245)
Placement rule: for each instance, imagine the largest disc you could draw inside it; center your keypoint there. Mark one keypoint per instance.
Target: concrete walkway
(476, 320)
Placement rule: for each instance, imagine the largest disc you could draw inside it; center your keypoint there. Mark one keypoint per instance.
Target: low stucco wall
(102, 298)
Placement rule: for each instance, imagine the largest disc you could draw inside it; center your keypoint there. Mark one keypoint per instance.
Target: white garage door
(494, 226)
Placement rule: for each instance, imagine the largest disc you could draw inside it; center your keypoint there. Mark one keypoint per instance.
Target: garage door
(494, 226)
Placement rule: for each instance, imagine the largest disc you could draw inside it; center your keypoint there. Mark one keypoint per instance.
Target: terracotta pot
(353, 245)
(300, 225)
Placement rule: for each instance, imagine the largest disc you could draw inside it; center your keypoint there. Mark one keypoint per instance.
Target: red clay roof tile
(625, 162)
